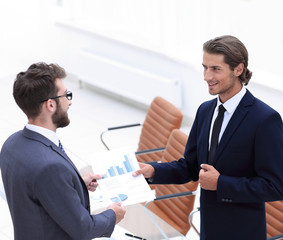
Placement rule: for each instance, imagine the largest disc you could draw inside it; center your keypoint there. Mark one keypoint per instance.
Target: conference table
(138, 222)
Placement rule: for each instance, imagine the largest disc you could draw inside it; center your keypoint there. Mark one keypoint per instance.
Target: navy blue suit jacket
(250, 160)
(46, 195)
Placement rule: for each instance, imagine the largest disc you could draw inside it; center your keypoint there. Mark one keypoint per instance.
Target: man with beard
(47, 197)
(239, 166)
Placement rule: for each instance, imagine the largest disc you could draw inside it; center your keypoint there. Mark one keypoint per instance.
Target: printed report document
(118, 184)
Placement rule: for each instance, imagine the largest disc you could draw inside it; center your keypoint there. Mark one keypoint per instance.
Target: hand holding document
(118, 184)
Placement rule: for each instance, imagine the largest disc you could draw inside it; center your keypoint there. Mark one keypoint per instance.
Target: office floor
(90, 113)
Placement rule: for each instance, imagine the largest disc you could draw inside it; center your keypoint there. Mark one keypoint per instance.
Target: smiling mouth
(212, 84)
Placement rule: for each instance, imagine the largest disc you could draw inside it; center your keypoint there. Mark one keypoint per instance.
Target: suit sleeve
(183, 170)
(57, 190)
(266, 184)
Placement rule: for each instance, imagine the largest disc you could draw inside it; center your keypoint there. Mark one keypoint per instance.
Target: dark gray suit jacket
(46, 195)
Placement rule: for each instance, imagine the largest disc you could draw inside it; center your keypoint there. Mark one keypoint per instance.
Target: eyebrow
(216, 66)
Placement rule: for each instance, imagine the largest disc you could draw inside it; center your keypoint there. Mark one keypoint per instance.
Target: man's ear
(50, 105)
(238, 70)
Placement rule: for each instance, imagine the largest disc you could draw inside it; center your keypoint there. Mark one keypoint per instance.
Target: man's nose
(207, 75)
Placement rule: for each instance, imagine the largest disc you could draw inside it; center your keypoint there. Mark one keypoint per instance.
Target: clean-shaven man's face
(220, 78)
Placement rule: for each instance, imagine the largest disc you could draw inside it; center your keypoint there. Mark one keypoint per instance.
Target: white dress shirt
(45, 132)
(230, 106)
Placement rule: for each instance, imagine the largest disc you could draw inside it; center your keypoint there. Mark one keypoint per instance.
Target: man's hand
(90, 181)
(119, 211)
(146, 169)
(208, 177)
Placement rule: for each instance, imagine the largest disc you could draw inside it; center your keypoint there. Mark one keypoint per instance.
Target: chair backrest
(274, 218)
(162, 117)
(175, 211)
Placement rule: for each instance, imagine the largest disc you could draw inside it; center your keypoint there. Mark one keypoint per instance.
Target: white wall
(72, 40)
(194, 89)
(32, 35)
(24, 34)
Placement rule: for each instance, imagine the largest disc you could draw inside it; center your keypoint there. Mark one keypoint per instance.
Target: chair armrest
(169, 196)
(278, 237)
(116, 128)
(124, 126)
(148, 151)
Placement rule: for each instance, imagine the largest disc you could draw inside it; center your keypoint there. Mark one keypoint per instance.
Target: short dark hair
(35, 84)
(234, 52)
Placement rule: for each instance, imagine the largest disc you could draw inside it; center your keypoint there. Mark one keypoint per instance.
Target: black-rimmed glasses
(68, 95)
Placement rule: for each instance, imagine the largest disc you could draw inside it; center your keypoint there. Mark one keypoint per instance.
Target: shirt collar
(45, 132)
(232, 103)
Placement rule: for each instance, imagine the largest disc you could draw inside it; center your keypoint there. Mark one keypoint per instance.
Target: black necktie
(215, 133)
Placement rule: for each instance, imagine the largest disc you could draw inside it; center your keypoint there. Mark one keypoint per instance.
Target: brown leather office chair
(175, 210)
(274, 219)
(162, 117)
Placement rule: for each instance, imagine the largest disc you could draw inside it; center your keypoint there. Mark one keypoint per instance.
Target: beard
(60, 118)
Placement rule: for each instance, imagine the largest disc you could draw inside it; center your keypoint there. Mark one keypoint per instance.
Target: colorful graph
(119, 198)
(115, 170)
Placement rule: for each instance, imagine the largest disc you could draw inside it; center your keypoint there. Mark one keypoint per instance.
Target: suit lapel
(64, 155)
(38, 137)
(238, 116)
(206, 128)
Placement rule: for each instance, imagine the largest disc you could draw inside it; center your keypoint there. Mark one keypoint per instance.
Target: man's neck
(44, 124)
(228, 95)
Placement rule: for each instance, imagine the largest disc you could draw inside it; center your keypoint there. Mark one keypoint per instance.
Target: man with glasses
(47, 197)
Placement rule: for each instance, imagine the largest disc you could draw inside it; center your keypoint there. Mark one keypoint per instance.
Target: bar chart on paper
(126, 166)
(118, 184)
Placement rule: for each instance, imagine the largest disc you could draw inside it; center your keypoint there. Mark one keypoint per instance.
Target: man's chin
(211, 92)
(63, 124)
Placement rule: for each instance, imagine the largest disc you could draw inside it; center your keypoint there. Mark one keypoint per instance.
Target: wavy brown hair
(234, 52)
